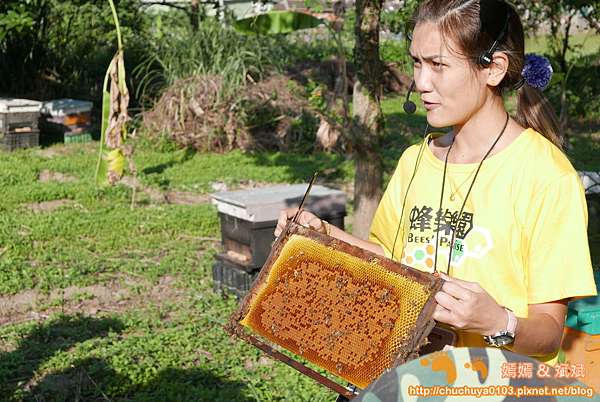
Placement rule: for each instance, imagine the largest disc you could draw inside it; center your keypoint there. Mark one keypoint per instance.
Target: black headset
(488, 10)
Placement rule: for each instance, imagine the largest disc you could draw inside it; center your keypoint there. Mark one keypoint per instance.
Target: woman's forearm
(537, 335)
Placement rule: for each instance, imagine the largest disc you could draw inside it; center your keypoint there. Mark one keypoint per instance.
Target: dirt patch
(49, 206)
(185, 198)
(46, 176)
(117, 295)
(64, 149)
(166, 197)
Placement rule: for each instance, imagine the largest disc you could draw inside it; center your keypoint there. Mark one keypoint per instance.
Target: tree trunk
(367, 116)
(564, 107)
(194, 14)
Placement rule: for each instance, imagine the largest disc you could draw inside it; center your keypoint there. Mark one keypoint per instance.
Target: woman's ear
(497, 69)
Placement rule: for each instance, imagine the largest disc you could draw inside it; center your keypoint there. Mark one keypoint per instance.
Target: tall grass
(213, 49)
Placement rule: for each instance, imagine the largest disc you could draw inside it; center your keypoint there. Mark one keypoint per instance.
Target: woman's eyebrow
(427, 58)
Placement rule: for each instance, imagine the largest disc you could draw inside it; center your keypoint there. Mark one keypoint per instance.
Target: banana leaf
(276, 22)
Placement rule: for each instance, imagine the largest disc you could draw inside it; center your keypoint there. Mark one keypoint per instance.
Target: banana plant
(276, 22)
(115, 100)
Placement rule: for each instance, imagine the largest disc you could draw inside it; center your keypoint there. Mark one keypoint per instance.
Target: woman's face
(450, 89)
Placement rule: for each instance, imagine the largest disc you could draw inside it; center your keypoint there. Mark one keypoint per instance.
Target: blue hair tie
(537, 71)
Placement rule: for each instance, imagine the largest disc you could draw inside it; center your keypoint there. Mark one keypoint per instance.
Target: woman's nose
(422, 79)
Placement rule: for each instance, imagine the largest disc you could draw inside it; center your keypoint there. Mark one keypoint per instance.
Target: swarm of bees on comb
(342, 308)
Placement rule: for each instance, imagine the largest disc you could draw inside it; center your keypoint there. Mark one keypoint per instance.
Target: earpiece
(487, 15)
(409, 106)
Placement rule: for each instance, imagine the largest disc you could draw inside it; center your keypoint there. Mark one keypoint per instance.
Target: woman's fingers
(447, 301)
(306, 219)
(442, 315)
(281, 222)
(456, 290)
(473, 286)
(284, 216)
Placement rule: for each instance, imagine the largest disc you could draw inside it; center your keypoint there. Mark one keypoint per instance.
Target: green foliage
(64, 48)
(398, 20)
(396, 51)
(315, 94)
(276, 22)
(582, 89)
(14, 20)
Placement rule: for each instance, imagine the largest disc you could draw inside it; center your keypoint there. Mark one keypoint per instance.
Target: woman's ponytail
(535, 111)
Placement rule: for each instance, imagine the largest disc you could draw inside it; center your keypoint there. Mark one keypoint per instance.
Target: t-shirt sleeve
(558, 263)
(386, 219)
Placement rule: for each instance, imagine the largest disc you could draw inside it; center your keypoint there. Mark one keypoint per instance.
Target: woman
(497, 188)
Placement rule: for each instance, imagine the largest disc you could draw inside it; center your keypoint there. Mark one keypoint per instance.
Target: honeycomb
(347, 315)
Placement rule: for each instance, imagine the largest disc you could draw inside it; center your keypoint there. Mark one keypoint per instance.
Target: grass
(147, 341)
(588, 41)
(101, 302)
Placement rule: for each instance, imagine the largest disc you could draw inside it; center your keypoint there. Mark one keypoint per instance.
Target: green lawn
(100, 302)
(586, 42)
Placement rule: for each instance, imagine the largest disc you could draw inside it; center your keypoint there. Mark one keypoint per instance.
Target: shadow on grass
(301, 167)
(181, 157)
(93, 379)
(18, 367)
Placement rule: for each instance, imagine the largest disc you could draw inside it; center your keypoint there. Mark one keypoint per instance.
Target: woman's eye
(437, 64)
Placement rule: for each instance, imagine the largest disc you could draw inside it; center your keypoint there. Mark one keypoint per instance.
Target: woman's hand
(467, 306)
(305, 219)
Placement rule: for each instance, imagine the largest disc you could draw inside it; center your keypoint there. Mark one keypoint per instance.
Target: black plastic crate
(231, 278)
(254, 239)
(12, 141)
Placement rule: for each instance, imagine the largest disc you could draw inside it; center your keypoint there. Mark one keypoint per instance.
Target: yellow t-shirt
(522, 234)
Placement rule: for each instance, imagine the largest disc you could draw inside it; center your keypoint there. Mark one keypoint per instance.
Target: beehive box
(67, 118)
(68, 111)
(249, 217)
(347, 310)
(230, 277)
(18, 115)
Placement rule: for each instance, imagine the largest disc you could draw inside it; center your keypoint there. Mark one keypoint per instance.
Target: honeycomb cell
(346, 315)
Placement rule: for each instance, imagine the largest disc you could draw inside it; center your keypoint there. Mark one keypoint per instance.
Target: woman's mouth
(430, 105)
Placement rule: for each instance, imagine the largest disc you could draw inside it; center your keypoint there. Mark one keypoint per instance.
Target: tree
(45, 45)
(559, 16)
(367, 115)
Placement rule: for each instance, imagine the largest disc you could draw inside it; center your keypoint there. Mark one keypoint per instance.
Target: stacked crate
(19, 123)
(68, 118)
(581, 338)
(248, 219)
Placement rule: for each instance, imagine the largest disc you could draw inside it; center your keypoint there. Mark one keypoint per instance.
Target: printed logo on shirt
(470, 240)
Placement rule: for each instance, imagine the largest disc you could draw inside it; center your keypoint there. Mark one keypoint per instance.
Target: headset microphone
(409, 106)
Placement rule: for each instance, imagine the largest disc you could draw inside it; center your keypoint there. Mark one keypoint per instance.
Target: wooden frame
(409, 347)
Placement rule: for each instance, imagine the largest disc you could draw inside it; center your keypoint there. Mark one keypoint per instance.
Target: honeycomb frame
(342, 340)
